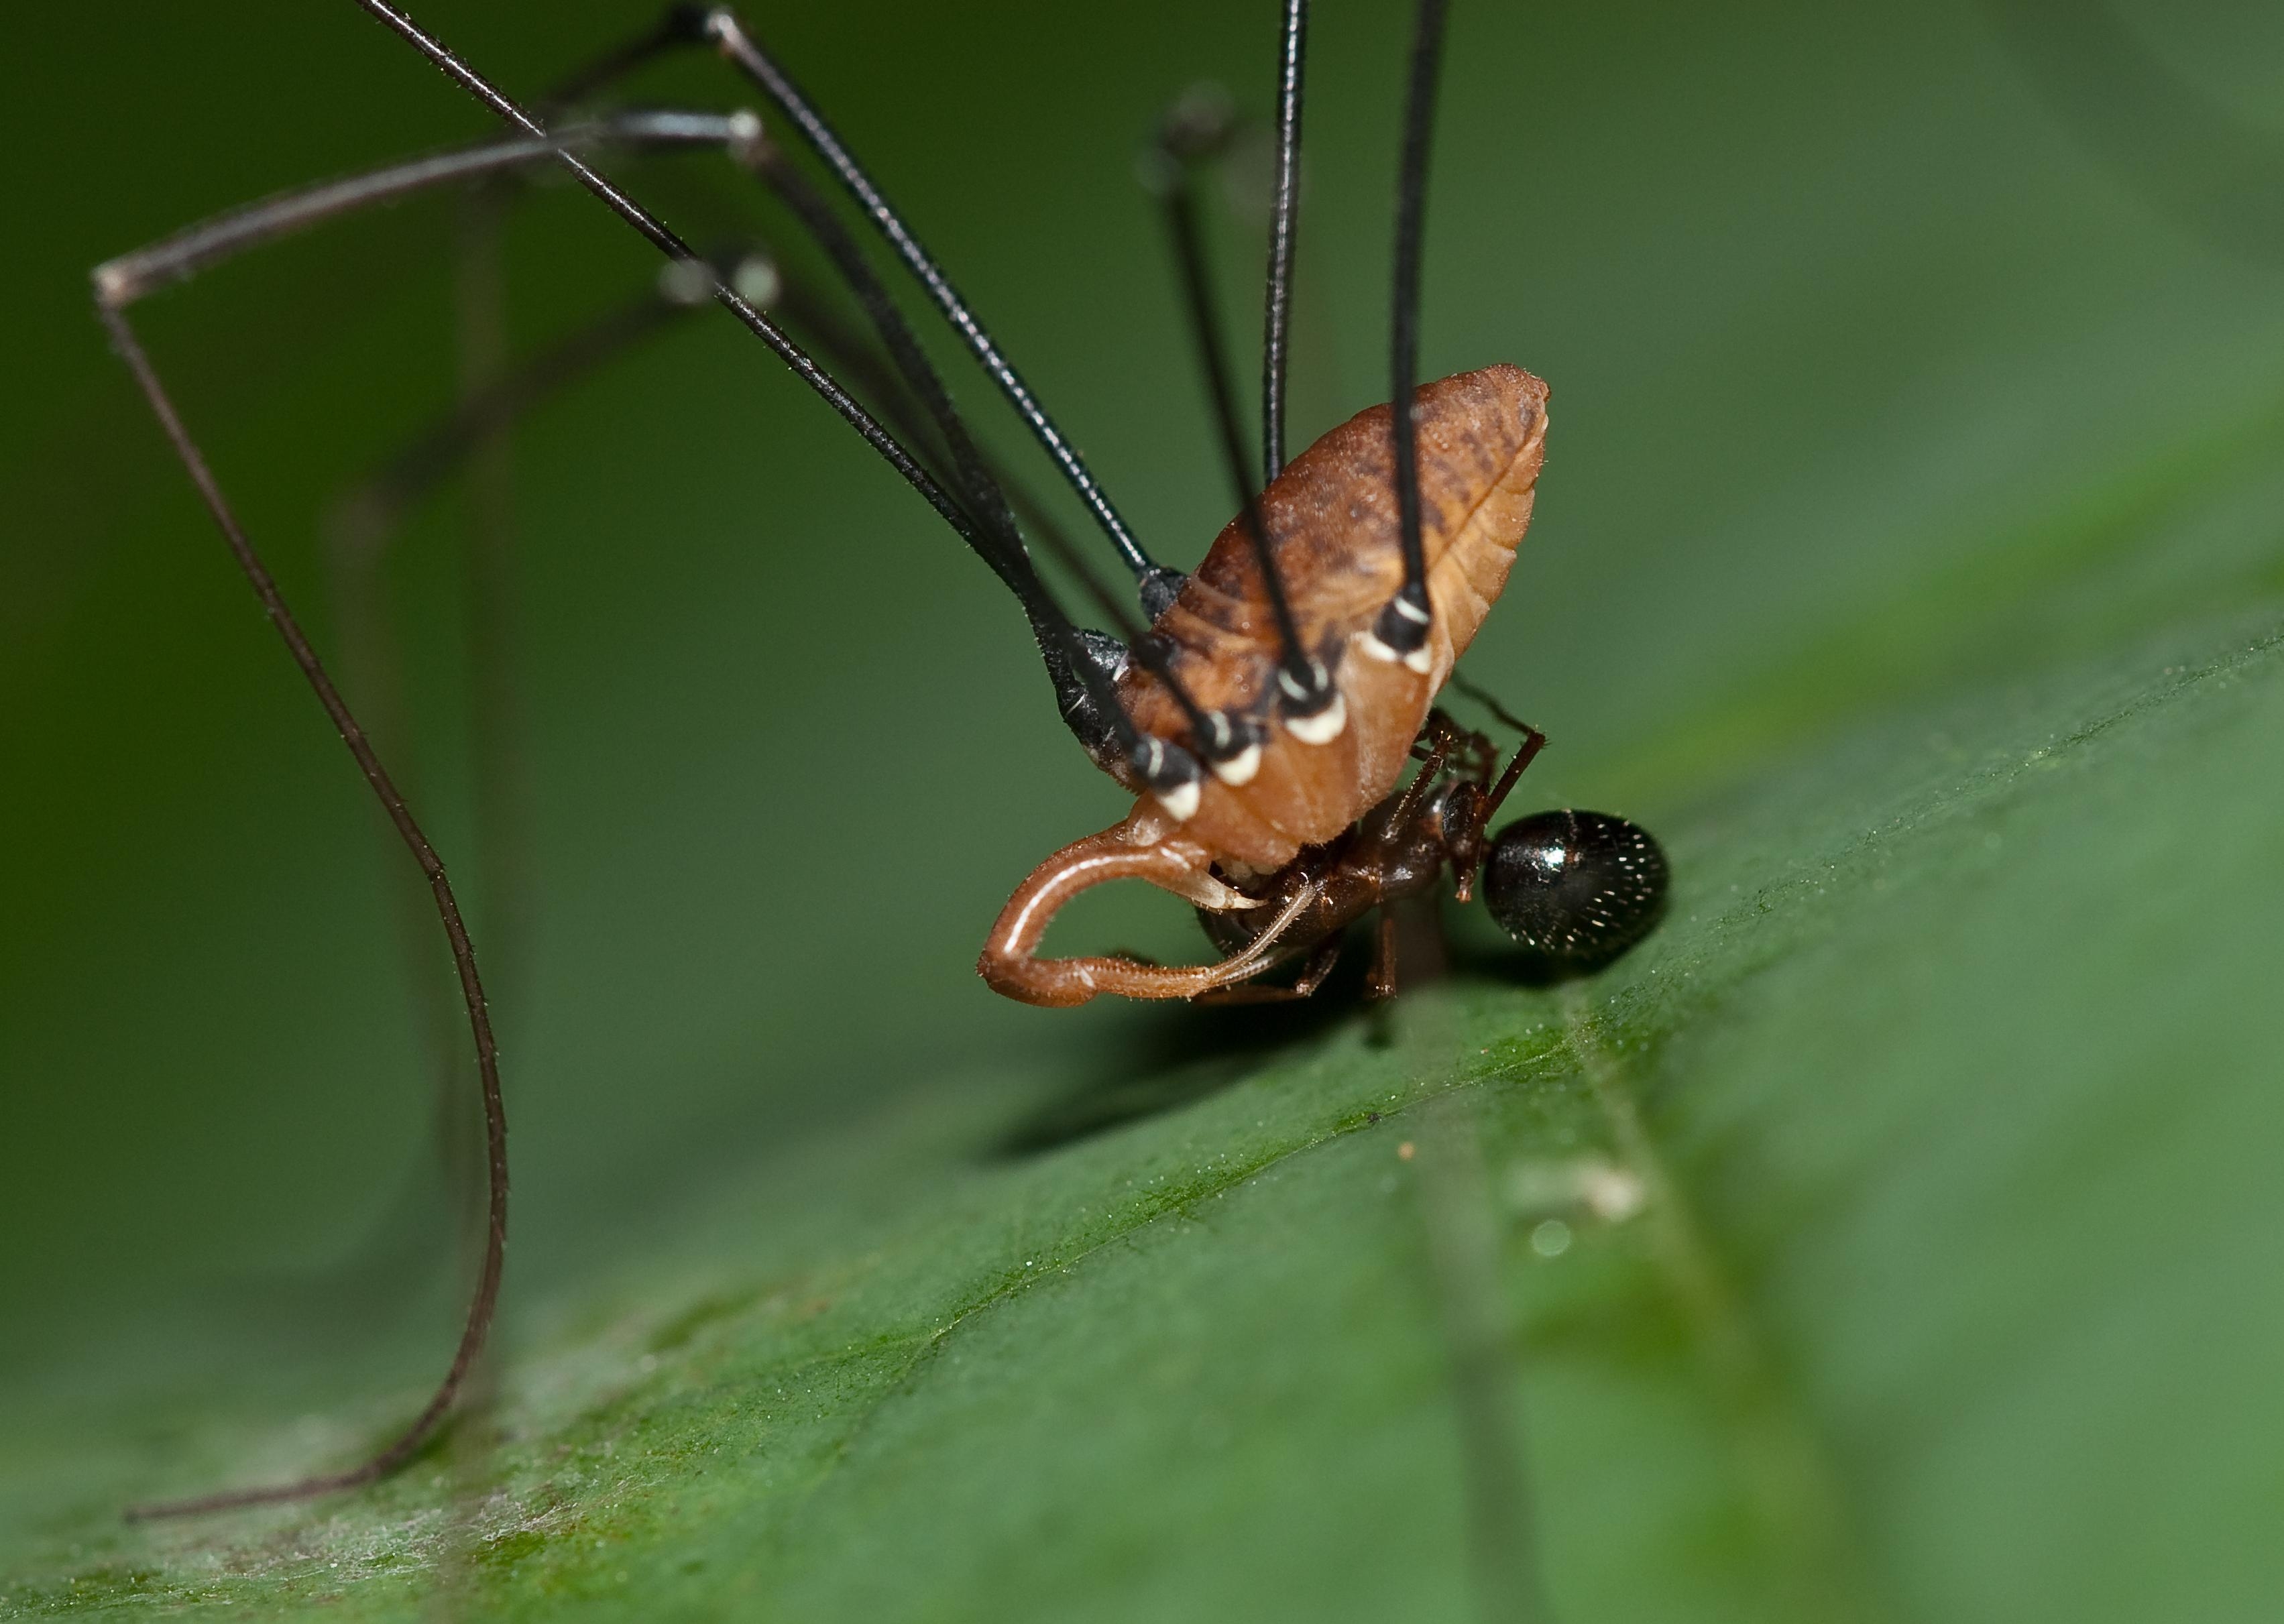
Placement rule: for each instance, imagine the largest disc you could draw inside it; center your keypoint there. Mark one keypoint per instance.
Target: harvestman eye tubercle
(1264, 709)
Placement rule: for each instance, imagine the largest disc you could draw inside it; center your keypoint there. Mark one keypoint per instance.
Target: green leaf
(1892, 1236)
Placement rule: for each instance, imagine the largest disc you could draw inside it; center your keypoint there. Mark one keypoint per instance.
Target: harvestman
(1266, 716)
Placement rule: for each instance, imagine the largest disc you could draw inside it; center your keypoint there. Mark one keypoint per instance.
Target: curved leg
(1381, 983)
(1009, 964)
(1312, 976)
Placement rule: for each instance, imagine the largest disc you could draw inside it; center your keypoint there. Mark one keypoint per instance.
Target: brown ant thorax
(1302, 782)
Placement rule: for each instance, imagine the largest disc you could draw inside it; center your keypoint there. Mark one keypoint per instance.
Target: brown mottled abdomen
(1332, 524)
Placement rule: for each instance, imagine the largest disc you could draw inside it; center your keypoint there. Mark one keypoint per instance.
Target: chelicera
(1268, 709)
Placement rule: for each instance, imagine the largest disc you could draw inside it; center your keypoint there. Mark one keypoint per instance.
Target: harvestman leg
(723, 27)
(1308, 691)
(1187, 136)
(373, 511)
(1310, 697)
(1284, 228)
(448, 908)
(687, 26)
(987, 501)
(120, 284)
(917, 383)
(1308, 694)
(1404, 624)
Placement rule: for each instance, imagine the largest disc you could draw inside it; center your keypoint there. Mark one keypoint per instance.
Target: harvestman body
(1303, 783)
(1265, 717)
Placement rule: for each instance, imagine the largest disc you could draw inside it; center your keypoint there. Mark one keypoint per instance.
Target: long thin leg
(685, 24)
(986, 501)
(1321, 963)
(822, 329)
(122, 281)
(1403, 624)
(1170, 771)
(1193, 130)
(363, 521)
(1157, 584)
(480, 1306)
(1284, 227)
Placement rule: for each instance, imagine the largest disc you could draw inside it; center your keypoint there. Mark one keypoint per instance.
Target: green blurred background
(1830, 298)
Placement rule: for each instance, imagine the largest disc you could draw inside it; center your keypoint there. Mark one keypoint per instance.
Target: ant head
(1577, 889)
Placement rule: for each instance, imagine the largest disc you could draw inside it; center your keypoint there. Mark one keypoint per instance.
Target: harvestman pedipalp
(1264, 717)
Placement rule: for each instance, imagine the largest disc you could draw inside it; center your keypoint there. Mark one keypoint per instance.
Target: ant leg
(1312, 976)
(1442, 737)
(1010, 961)
(1533, 742)
(1379, 982)
(1465, 853)
(1403, 625)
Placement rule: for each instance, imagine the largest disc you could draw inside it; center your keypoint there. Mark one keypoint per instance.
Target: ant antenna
(1157, 584)
(1199, 125)
(1403, 624)
(1284, 225)
(1489, 701)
